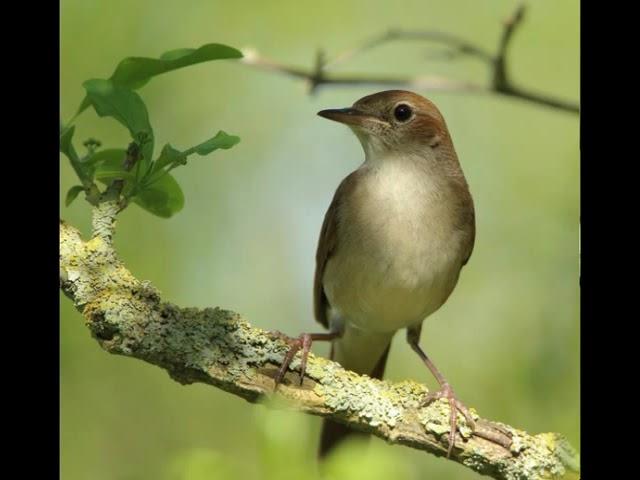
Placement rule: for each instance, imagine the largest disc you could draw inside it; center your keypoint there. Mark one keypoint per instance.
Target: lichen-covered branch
(500, 82)
(217, 347)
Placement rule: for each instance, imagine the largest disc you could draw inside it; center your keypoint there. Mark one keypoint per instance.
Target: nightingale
(394, 239)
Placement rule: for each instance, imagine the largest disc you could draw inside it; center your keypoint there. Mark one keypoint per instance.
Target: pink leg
(455, 406)
(303, 342)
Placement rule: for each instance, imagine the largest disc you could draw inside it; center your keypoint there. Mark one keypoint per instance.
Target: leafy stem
(148, 183)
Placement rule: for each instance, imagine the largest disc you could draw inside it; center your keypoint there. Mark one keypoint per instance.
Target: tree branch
(217, 347)
(500, 83)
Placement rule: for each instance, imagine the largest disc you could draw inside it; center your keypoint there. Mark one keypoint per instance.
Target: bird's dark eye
(402, 112)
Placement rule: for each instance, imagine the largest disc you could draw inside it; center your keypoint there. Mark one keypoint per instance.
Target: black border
(32, 369)
(30, 180)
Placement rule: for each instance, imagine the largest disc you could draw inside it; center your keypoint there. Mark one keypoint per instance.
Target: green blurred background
(508, 338)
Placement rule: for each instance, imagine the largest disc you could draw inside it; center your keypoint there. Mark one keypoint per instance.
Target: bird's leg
(446, 392)
(303, 342)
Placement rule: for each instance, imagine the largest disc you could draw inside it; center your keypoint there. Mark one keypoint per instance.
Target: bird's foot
(303, 342)
(455, 406)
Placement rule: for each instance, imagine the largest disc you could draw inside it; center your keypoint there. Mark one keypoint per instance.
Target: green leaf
(163, 198)
(72, 194)
(90, 162)
(125, 106)
(171, 156)
(168, 156)
(66, 146)
(111, 168)
(135, 72)
(109, 154)
(221, 140)
(177, 54)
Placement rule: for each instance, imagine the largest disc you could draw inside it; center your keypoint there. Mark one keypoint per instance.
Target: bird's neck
(439, 164)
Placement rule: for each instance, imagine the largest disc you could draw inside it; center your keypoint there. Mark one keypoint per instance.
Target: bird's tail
(363, 354)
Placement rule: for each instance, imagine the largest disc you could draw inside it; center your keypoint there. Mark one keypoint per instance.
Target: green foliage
(135, 72)
(146, 182)
(163, 197)
(125, 106)
(171, 157)
(109, 167)
(72, 194)
(66, 147)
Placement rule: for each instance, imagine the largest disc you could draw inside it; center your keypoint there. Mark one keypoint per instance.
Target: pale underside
(399, 256)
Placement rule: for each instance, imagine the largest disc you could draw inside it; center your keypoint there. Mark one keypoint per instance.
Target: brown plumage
(326, 246)
(393, 241)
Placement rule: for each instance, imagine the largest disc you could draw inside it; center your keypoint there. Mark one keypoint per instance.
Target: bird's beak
(349, 116)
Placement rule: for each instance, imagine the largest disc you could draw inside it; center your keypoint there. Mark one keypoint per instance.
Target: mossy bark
(217, 347)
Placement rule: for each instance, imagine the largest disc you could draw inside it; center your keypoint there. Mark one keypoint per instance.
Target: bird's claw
(303, 342)
(455, 406)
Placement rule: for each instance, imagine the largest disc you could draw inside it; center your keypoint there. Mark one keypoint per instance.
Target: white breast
(398, 256)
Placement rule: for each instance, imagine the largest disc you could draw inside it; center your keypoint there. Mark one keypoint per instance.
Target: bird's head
(393, 121)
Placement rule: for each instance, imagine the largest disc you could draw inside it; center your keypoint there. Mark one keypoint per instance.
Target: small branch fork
(500, 83)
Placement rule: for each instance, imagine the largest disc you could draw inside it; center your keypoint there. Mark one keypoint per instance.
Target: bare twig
(456, 43)
(500, 83)
(318, 78)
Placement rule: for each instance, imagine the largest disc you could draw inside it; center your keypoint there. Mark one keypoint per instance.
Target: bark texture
(217, 347)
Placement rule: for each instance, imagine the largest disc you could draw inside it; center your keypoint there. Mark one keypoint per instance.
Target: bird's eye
(402, 112)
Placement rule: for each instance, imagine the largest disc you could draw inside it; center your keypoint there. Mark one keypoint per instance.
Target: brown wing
(326, 248)
(472, 235)
(467, 219)
(465, 212)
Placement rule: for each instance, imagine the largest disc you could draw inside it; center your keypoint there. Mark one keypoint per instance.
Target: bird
(394, 239)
